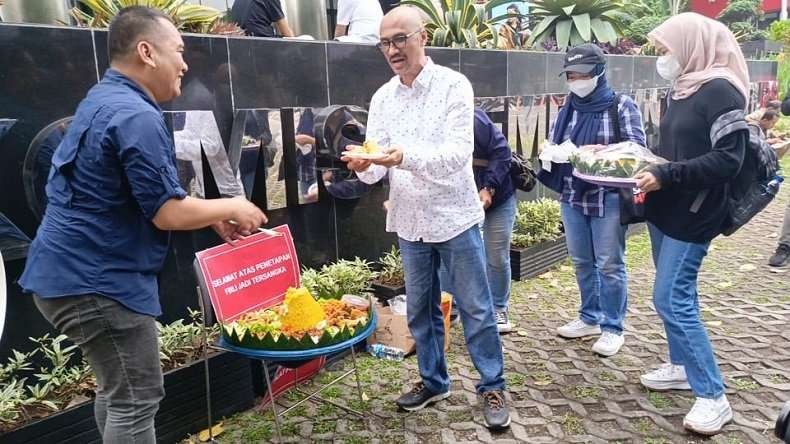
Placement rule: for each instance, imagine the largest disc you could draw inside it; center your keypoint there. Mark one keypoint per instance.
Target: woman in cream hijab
(686, 205)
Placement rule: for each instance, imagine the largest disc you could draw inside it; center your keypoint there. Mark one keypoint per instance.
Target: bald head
(407, 17)
(403, 41)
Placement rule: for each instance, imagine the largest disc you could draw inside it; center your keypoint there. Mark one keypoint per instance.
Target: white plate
(616, 182)
(364, 156)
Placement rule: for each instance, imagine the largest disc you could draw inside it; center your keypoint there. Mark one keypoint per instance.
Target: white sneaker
(578, 329)
(708, 416)
(503, 324)
(608, 344)
(666, 377)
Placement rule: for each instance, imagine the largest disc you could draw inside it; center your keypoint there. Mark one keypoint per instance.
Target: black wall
(46, 71)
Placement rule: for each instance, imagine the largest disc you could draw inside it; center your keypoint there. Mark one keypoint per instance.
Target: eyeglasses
(399, 41)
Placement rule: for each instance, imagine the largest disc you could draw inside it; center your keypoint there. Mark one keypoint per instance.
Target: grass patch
(658, 400)
(638, 251)
(299, 411)
(331, 392)
(779, 379)
(607, 376)
(289, 428)
(515, 380)
(586, 392)
(745, 384)
(656, 440)
(621, 361)
(542, 378)
(644, 426)
(459, 416)
(356, 440)
(260, 432)
(358, 405)
(327, 410)
(572, 425)
(322, 427)
(292, 396)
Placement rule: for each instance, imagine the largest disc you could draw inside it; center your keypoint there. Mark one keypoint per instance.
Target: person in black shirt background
(387, 5)
(686, 203)
(261, 18)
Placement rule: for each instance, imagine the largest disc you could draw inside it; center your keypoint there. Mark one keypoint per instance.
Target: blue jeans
(677, 303)
(497, 233)
(597, 248)
(463, 256)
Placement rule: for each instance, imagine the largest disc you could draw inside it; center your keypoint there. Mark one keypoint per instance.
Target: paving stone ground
(559, 390)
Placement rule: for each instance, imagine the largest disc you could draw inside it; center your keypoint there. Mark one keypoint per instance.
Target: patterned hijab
(706, 50)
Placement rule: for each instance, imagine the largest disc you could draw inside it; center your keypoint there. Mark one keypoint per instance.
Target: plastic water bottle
(382, 351)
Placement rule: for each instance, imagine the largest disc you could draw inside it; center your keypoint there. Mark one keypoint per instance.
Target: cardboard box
(393, 330)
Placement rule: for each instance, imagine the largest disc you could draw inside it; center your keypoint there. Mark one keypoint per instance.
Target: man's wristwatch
(490, 190)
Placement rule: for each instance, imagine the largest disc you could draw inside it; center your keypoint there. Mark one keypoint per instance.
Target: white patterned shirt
(433, 197)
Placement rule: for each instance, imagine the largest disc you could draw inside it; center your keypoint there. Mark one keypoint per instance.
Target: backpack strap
(614, 117)
(724, 125)
(727, 124)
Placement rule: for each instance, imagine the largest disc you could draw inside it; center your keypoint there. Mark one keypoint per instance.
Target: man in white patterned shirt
(424, 118)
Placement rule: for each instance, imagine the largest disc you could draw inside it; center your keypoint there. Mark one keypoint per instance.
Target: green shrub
(537, 221)
(638, 29)
(342, 277)
(391, 269)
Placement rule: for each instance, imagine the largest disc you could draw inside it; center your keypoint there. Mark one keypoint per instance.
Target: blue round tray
(300, 355)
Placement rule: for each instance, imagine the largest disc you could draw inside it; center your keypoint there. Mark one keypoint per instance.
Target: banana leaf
(306, 342)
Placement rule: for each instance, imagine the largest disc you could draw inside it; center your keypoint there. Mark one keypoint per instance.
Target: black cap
(583, 58)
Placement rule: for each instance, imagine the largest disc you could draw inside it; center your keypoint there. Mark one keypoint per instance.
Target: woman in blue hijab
(591, 214)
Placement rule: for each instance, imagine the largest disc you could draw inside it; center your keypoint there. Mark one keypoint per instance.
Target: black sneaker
(781, 256)
(419, 397)
(495, 412)
(503, 324)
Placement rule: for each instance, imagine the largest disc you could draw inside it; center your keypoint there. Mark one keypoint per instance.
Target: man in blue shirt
(491, 167)
(113, 196)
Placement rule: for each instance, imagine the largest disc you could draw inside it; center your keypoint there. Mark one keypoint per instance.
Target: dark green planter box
(537, 259)
(384, 292)
(181, 412)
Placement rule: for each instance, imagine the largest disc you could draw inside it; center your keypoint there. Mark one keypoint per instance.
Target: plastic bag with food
(615, 162)
(552, 153)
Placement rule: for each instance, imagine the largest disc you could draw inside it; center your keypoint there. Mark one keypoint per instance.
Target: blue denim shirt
(110, 175)
(491, 145)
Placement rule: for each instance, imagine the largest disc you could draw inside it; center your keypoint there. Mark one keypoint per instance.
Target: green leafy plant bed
(390, 281)
(182, 411)
(53, 402)
(538, 241)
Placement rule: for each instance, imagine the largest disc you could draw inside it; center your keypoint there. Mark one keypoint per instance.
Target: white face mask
(668, 67)
(583, 88)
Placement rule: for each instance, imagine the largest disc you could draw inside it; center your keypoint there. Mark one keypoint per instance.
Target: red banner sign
(251, 275)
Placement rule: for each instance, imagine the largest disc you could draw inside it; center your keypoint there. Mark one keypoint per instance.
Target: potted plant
(186, 17)
(538, 241)
(390, 281)
(55, 404)
(460, 23)
(343, 277)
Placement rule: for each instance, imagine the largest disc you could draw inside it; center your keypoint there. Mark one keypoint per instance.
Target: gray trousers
(784, 236)
(122, 348)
